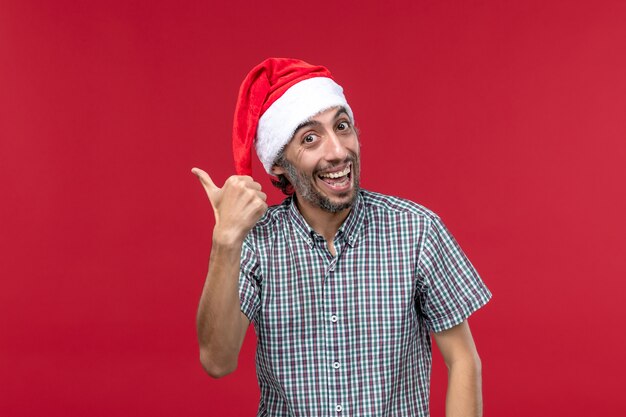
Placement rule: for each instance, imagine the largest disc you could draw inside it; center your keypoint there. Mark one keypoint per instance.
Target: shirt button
(336, 365)
(338, 408)
(333, 318)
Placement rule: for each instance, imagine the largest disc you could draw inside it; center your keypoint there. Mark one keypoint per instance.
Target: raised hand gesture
(238, 205)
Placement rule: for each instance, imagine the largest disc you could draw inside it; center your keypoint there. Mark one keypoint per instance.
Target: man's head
(321, 162)
(282, 99)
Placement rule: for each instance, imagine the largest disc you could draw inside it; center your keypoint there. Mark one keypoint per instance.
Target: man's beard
(303, 185)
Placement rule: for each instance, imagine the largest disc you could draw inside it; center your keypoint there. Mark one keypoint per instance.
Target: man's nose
(335, 148)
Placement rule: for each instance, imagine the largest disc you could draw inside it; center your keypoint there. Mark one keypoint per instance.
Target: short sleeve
(450, 289)
(249, 280)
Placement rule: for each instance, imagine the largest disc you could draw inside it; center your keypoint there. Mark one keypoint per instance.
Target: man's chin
(339, 202)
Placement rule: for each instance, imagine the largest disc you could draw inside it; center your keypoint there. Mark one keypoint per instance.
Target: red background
(506, 118)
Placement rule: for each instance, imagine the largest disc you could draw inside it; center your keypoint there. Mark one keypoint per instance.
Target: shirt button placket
(333, 262)
(333, 345)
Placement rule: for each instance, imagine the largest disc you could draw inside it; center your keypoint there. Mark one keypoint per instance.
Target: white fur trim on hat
(297, 105)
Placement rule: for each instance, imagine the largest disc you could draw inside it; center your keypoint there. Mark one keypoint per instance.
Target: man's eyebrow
(340, 111)
(306, 124)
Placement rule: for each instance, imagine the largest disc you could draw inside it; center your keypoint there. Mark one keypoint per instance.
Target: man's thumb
(206, 181)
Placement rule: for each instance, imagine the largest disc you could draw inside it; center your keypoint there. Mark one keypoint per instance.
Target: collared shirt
(349, 335)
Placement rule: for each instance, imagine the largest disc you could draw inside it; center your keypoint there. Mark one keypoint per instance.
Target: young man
(344, 286)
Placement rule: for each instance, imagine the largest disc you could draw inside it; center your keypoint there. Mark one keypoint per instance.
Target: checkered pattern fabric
(349, 335)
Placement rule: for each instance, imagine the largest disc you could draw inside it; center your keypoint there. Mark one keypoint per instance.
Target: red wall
(506, 118)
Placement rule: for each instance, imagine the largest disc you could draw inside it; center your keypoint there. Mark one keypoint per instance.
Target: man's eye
(308, 138)
(343, 125)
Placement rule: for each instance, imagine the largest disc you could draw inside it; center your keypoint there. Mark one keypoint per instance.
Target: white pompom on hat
(276, 97)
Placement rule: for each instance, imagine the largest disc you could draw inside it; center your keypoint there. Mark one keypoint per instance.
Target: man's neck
(322, 221)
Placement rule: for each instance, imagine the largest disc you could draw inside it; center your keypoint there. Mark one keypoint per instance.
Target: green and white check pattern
(349, 335)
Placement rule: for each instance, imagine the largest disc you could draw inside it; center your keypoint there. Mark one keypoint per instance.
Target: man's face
(322, 161)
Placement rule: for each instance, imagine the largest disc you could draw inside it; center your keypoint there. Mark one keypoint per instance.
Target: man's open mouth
(337, 179)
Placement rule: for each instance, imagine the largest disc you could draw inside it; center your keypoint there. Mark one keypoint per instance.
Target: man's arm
(464, 395)
(221, 325)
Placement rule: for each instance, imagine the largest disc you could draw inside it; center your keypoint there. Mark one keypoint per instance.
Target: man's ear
(277, 170)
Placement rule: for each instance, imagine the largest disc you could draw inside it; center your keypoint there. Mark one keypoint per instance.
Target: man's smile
(337, 180)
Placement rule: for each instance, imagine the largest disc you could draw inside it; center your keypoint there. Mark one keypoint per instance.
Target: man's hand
(238, 205)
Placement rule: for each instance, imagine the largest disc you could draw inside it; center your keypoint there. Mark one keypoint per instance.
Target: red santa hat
(276, 97)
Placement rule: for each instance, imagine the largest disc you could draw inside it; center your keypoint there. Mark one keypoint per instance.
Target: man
(342, 285)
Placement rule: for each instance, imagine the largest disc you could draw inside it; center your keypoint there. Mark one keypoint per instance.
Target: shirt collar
(354, 222)
(350, 227)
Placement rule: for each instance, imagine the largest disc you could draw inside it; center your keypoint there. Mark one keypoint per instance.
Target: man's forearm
(220, 323)
(464, 396)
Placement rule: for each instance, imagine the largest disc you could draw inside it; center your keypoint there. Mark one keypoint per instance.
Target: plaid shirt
(348, 335)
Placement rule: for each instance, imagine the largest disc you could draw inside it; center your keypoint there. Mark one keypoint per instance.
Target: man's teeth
(339, 174)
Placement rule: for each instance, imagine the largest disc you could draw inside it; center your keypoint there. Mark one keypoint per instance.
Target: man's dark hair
(281, 180)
